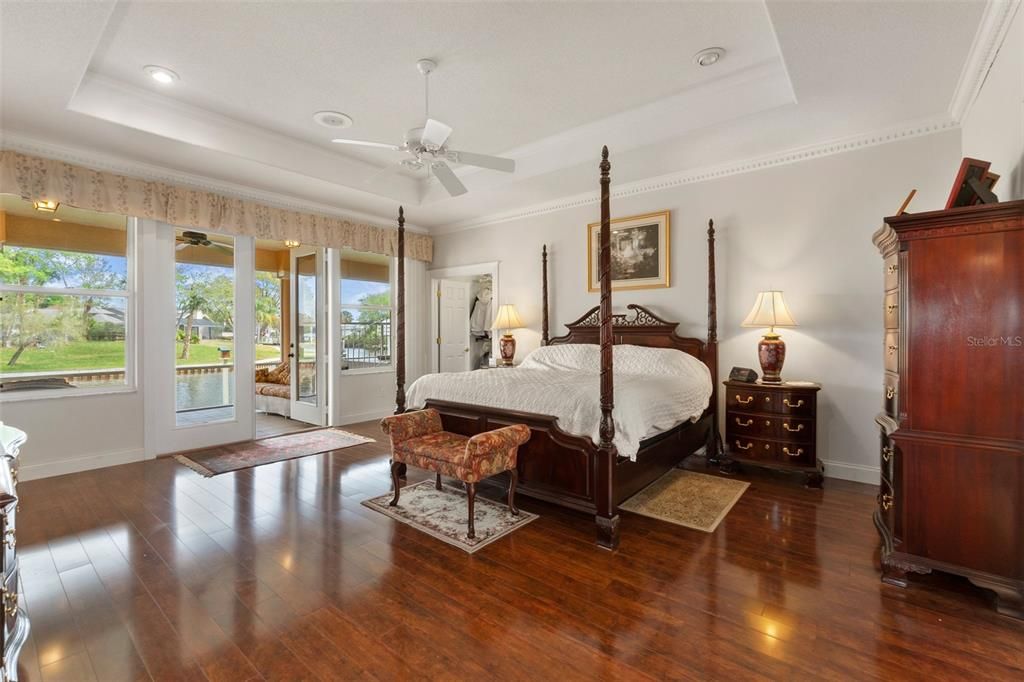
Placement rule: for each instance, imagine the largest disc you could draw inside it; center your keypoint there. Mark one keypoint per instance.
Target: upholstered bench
(417, 438)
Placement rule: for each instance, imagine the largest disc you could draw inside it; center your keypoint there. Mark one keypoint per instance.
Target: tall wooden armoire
(952, 431)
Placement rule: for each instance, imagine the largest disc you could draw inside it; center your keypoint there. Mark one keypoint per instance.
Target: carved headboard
(642, 328)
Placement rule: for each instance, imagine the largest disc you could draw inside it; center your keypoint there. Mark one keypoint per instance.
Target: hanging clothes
(480, 315)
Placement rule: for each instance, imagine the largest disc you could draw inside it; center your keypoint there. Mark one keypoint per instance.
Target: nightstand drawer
(750, 426)
(801, 454)
(747, 401)
(892, 393)
(796, 404)
(796, 429)
(752, 448)
(892, 310)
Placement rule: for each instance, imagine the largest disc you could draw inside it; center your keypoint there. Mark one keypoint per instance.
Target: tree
(268, 303)
(374, 323)
(199, 289)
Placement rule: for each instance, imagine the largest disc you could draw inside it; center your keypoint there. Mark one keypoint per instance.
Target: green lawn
(109, 355)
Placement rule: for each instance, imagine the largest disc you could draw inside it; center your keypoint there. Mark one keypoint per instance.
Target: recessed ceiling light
(710, 56)
(160, 74)
(333, 119)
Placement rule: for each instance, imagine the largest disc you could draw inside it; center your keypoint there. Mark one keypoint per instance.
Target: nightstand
(774, 426)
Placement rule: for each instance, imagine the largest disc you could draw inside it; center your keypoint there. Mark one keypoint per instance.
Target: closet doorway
(463, 303)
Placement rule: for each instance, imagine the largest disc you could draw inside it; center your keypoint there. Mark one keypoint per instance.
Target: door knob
(465, 350)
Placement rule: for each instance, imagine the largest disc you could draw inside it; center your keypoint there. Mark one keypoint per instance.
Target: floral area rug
(443, 514)
(225, 458)
(687, 498)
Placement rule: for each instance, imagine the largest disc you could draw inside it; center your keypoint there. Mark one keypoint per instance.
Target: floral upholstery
(417, 438)
(275, 390)
(280, 374)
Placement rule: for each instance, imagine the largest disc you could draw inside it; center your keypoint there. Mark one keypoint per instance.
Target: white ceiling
(545, 83)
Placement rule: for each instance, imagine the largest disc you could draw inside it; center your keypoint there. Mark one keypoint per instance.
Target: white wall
(803, 228)
(994, 127)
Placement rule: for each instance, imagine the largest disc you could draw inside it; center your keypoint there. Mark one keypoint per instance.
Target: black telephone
(744, 374)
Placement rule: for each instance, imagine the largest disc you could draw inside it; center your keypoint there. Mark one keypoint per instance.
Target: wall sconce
(292, 243)
(46, 205)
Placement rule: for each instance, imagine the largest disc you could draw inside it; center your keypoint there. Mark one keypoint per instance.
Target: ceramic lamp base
(771, 352)
(507, 344)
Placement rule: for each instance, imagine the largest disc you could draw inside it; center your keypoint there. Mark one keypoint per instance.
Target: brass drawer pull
(749, 446)
(890, 392)
(799, 451)
(767, 422)
(9, 540)
(891, 269)
(799, 403)
(746, 423)
(799, 427)
(767, 398)
(887, 453)
(890, 308)
(887, 501)
(892, 350)
(741, 401)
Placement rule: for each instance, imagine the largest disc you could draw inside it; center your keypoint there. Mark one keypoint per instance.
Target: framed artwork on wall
(640, 252)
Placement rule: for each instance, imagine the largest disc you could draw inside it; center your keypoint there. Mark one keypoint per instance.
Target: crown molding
(995, 23)
(702, 174)
(116, 164)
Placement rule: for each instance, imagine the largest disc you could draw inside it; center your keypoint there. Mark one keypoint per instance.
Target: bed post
(607, 518)
(400, 326)
(713, 450)
(544, 293)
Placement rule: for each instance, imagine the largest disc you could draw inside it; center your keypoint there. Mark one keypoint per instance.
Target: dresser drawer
(892, 310)
(10, 601)
(892, 274)
(892, 394)
(751, 426)
(752, 448)
(8, 539)
(892, 351)
(741, 399)
(887, 504)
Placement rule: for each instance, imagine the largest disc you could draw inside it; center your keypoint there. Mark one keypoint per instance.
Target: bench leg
(513, 481)
(395, 479)
(438, 483)
(471, 496)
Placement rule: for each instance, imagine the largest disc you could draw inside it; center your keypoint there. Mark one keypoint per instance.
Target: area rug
(442, 514)
(687, 498)
(225, 458)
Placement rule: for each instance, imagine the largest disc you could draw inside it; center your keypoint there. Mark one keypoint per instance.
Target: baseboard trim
(29, 472)
(852, 472)
(364, 417)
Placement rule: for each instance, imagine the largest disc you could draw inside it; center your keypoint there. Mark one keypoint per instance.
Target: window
(365, 310)
(65, 299)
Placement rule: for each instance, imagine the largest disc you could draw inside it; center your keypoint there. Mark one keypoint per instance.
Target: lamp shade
(769, 311)
(507, 318)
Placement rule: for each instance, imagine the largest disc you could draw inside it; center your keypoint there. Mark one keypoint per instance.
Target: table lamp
(507, 319)
(770, 311)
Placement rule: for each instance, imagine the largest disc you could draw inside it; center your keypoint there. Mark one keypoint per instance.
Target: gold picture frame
(644, 245)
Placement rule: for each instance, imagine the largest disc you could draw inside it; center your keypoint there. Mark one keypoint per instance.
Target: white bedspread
(655, 389)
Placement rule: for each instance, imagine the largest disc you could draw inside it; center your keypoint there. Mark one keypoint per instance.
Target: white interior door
(453, 326)
(308, 348)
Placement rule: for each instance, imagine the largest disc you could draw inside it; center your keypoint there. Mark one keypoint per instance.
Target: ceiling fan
(428, 149)
(189, 238)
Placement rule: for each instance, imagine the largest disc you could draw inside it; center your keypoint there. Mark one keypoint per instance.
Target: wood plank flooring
(149, 571)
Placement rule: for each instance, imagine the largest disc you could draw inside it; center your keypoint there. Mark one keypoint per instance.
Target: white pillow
(642, 360)
(575, 357)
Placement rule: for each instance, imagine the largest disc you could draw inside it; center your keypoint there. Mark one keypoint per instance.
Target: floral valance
(34, 179)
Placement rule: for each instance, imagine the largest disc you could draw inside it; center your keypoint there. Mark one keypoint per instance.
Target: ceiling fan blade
(447, 178)
(435, 133)
(222, 247)
(364, 143)
(181, 246)
(483, 161)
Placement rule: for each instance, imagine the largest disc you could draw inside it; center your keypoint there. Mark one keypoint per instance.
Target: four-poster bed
(573, 470)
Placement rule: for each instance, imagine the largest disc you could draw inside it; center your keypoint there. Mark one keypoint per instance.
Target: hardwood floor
(149, 571)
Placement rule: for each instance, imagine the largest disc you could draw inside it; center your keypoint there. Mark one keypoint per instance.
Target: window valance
(35, 179)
